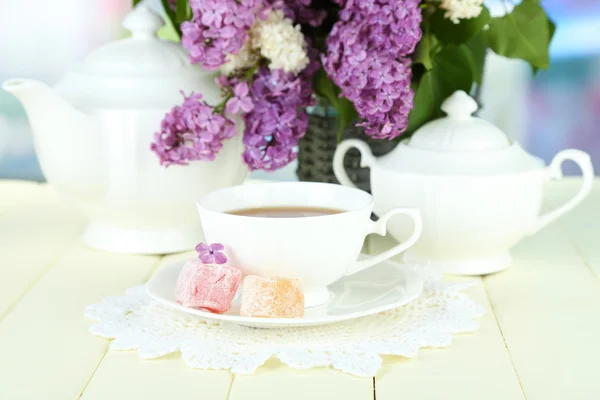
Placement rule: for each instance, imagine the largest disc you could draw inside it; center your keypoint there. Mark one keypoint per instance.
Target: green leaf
(453, 69)
(183, 11)
(136, 2)
(449, 32)
(551, 29)
(478, 49)
(326, 89)
(171, 16)
(525, 33)
(347, 115)
(424, 50)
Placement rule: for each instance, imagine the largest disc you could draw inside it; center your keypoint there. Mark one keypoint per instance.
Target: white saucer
(382, 287)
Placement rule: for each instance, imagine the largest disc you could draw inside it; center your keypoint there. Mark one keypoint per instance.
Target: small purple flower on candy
(240, 102)
(213, 253)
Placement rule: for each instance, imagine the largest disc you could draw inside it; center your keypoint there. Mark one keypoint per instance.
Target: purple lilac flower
(240, 102)
(300, 11)
(277, 120)
(272, 102)
(218, 28)
(213, 253)
(190, 132)
(366, 58)
(306, 75)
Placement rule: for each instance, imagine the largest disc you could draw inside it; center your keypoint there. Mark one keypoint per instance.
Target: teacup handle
(380, 227)
(584, 163)
(366, 159)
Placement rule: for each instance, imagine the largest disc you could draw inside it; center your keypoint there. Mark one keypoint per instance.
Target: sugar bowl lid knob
(143, 23)
(460, 105)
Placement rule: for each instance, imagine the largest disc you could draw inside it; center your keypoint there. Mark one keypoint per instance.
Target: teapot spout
(65, 138)
(46, 109)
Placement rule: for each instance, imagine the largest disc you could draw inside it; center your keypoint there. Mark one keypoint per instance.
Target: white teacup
(319, 250)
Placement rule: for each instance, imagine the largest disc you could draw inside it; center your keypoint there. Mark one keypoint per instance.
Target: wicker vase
(316, 149)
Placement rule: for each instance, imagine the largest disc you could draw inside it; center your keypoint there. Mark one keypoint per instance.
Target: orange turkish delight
(272, 297)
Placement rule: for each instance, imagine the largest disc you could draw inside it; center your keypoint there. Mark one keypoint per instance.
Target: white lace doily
(137, 322)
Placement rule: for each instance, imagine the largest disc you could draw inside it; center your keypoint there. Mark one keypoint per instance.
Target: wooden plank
(276, 381)
(548, 305)
(475, 366)
(35, 229)
(582, 224)
(23, 195)
(14, 193)
(123, 375)
(46, 349)
(45, 340)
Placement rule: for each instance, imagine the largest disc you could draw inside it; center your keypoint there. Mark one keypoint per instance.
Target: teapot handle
(367, 159)
(582, 159)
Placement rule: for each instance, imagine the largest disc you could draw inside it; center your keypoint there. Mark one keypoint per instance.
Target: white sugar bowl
(478, 192)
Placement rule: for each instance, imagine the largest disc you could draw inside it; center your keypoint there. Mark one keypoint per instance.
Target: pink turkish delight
(209, 286)
(272, 297)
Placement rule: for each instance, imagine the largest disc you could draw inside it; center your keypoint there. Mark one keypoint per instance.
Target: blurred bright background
(557, 109)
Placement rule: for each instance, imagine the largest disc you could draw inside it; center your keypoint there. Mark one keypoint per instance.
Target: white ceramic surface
(92, 134)
(478, 193)
(385, 286)
(319, 250)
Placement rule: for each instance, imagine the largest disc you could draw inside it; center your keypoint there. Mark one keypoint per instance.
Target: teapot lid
(459, 130)
(140, 70)
(459, 144)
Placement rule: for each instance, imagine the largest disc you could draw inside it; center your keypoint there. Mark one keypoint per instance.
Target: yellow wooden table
(539, 339)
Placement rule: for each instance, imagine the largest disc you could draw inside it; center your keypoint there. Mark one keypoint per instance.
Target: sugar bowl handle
(367, 159)
(582, 160)
(380, 227)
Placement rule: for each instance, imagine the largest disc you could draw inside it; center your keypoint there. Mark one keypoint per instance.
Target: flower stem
(219, 108)
(250, 73)
(247, 77)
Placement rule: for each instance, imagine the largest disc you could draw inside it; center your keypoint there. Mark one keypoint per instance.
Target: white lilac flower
(461, 9)
(281, 42)
(245, 58)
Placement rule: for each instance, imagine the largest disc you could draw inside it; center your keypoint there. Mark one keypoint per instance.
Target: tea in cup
(311, 231)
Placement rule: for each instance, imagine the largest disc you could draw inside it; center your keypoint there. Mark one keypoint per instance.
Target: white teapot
(92, 134)
(478, 193)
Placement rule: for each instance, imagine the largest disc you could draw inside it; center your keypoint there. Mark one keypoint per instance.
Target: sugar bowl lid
(459, 144)
(140, 70)
(459, 130)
